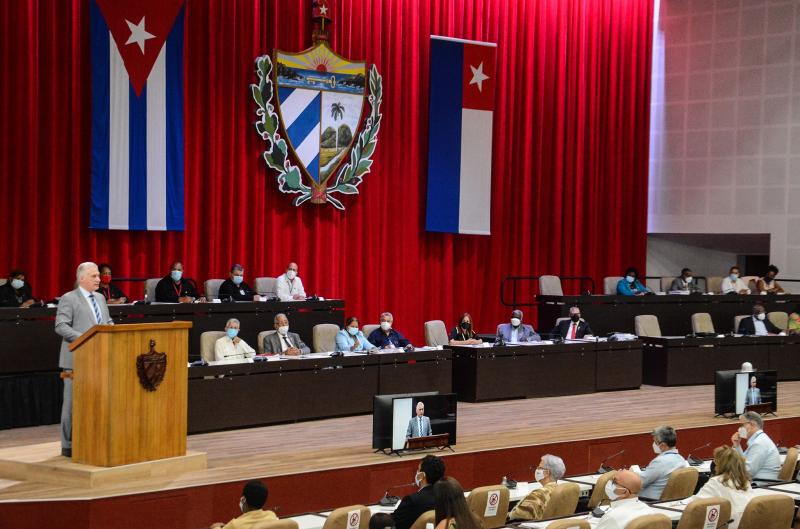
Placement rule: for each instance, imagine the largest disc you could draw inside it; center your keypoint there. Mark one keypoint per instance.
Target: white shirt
(730, 286)
(286, 289)
(622, 512)
(573, 328)
(283, 338)
(515, 334)
(86, 295)
(738, 498)
(225, 350)
(761, 329)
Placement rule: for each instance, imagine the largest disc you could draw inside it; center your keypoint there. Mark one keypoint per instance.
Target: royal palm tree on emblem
(337, 112)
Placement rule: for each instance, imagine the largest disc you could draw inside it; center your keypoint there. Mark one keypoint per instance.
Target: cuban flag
(460, 136)
(137, 114)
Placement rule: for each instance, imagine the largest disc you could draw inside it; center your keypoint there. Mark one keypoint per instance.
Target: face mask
(742, 432)
(17, 284)
(689, 279)
(385, 325)
(610, 492)
(176, 275)
(352, 330)
(466, 325)
(656, 448)
(291, 274)
(237, 280)
(232, 333)
(575, 317)
(283, 330)
(418, 479)
(630, 279)
(539, 474)
(242, 503)
(761, 316)
(515, 322)
(734, 277)
(105, 278)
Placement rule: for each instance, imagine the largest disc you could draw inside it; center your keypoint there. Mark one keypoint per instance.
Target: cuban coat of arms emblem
(319, 115)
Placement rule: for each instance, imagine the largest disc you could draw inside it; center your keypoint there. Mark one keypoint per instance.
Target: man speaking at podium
(78, 311)
(419, 425)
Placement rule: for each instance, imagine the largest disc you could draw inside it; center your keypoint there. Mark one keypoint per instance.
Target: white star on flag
(478, 77)
(138, 34)
(323, 10)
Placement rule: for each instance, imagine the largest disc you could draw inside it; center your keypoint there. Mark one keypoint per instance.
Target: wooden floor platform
(345, 442)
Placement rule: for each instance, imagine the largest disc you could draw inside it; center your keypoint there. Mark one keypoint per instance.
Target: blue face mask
(630, 279)
(176, 275)
(17, 284)
(232, 333)
(237, 280)
(352, 330)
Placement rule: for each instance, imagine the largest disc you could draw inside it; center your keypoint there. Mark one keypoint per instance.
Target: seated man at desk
(684, 283)
(174, 288)
(385, 336)
(254, 497)
(753, 393)
(551, 468)
(768, 284)
(284, 342)
(235, 289)
(431, 469)
(763, 459)
(758, 324)
(733, 284)
(419, 425)
(16, 292)
(289, 287)
(574, 328)
(230, 346)
(655, 476)
(630, 284)
(516, 331)
(623, 490)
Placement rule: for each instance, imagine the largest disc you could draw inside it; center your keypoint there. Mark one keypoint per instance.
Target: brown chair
(737, 319)
(550, 286)
(207, 341)
(646, 325)
(779, 319)
(211, 288)
(428, 517)
(338, 519)
(714, 284)
(681, 484)
(694, 516)
(772, 511)
(478, 499)
(610, 285)
(701, 322)
(277, 524)
(650, 521)
(368, 328)
(665, 283)
(265, 286)
(435, 333)
(569, 524)
(563, 500)
(599, 491)
(324, 337)
(789, 468)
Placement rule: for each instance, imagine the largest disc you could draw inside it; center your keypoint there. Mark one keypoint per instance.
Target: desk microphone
(389, 501)
(603, 468)
(696, 461)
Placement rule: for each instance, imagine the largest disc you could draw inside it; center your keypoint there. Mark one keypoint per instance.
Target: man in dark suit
(758, 324)
(16, 292)
(284, 342)
(431, 470)
(574, 328)
(235, 289)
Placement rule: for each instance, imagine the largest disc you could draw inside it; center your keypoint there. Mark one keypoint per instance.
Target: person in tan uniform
(254, 496)
(551, 468)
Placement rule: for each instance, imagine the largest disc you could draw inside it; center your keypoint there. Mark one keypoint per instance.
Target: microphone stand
(390, 501)
(603, 468)
(696, 461)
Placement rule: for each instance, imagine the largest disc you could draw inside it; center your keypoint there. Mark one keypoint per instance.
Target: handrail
(516, 279)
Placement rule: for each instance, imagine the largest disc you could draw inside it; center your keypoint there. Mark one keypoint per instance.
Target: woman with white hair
(551, 468)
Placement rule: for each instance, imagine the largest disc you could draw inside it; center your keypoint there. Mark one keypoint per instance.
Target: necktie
(419, 425)
(573, 331)
(96, 309)
(288, 343)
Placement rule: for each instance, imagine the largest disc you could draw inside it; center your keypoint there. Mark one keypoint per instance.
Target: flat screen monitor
(391, 415)
(734, 390)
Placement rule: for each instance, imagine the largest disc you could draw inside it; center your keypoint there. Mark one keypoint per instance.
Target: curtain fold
(570, 153)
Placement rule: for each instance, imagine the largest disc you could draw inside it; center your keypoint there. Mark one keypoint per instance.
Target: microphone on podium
(603, 468)
(696, 461)
(388, 501)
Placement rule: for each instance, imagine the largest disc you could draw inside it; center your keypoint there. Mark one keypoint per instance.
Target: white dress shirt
(763, 459)
(731, 286)
(622, 512)
(286, 288)
(761, 329)
(515, 334)
(715, 488)
(283, 339)
(225, 350)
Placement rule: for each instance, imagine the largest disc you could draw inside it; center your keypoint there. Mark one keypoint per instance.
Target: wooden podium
(129, 402)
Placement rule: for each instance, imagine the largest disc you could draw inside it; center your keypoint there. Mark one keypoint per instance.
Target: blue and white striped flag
(137, 115)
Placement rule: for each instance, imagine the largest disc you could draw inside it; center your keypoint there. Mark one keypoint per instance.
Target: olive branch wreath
(289, 177)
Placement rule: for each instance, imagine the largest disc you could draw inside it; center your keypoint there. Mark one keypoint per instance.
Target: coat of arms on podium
(151, 367)
(311, 110)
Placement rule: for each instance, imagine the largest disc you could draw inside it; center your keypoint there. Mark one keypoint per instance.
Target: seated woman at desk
(730, 482)
(351, 339)
(630, 284)
(464, 333)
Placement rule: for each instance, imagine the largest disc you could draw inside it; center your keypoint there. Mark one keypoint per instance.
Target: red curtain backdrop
(570, 153)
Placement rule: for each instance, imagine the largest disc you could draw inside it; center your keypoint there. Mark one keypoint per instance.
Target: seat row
(550, 285)
(264, 286)
(647, 324)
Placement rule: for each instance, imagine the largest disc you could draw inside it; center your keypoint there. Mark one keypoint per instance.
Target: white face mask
(742, 432)
(418, 479)
(610, 492)
(539, 474)
(385, 325)
(689, 279)
(17, 284)
(630, 279)
(242, 503)
(761, 316)
(291, 274)
(515, 322)
(656, 448)
(283, 330)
